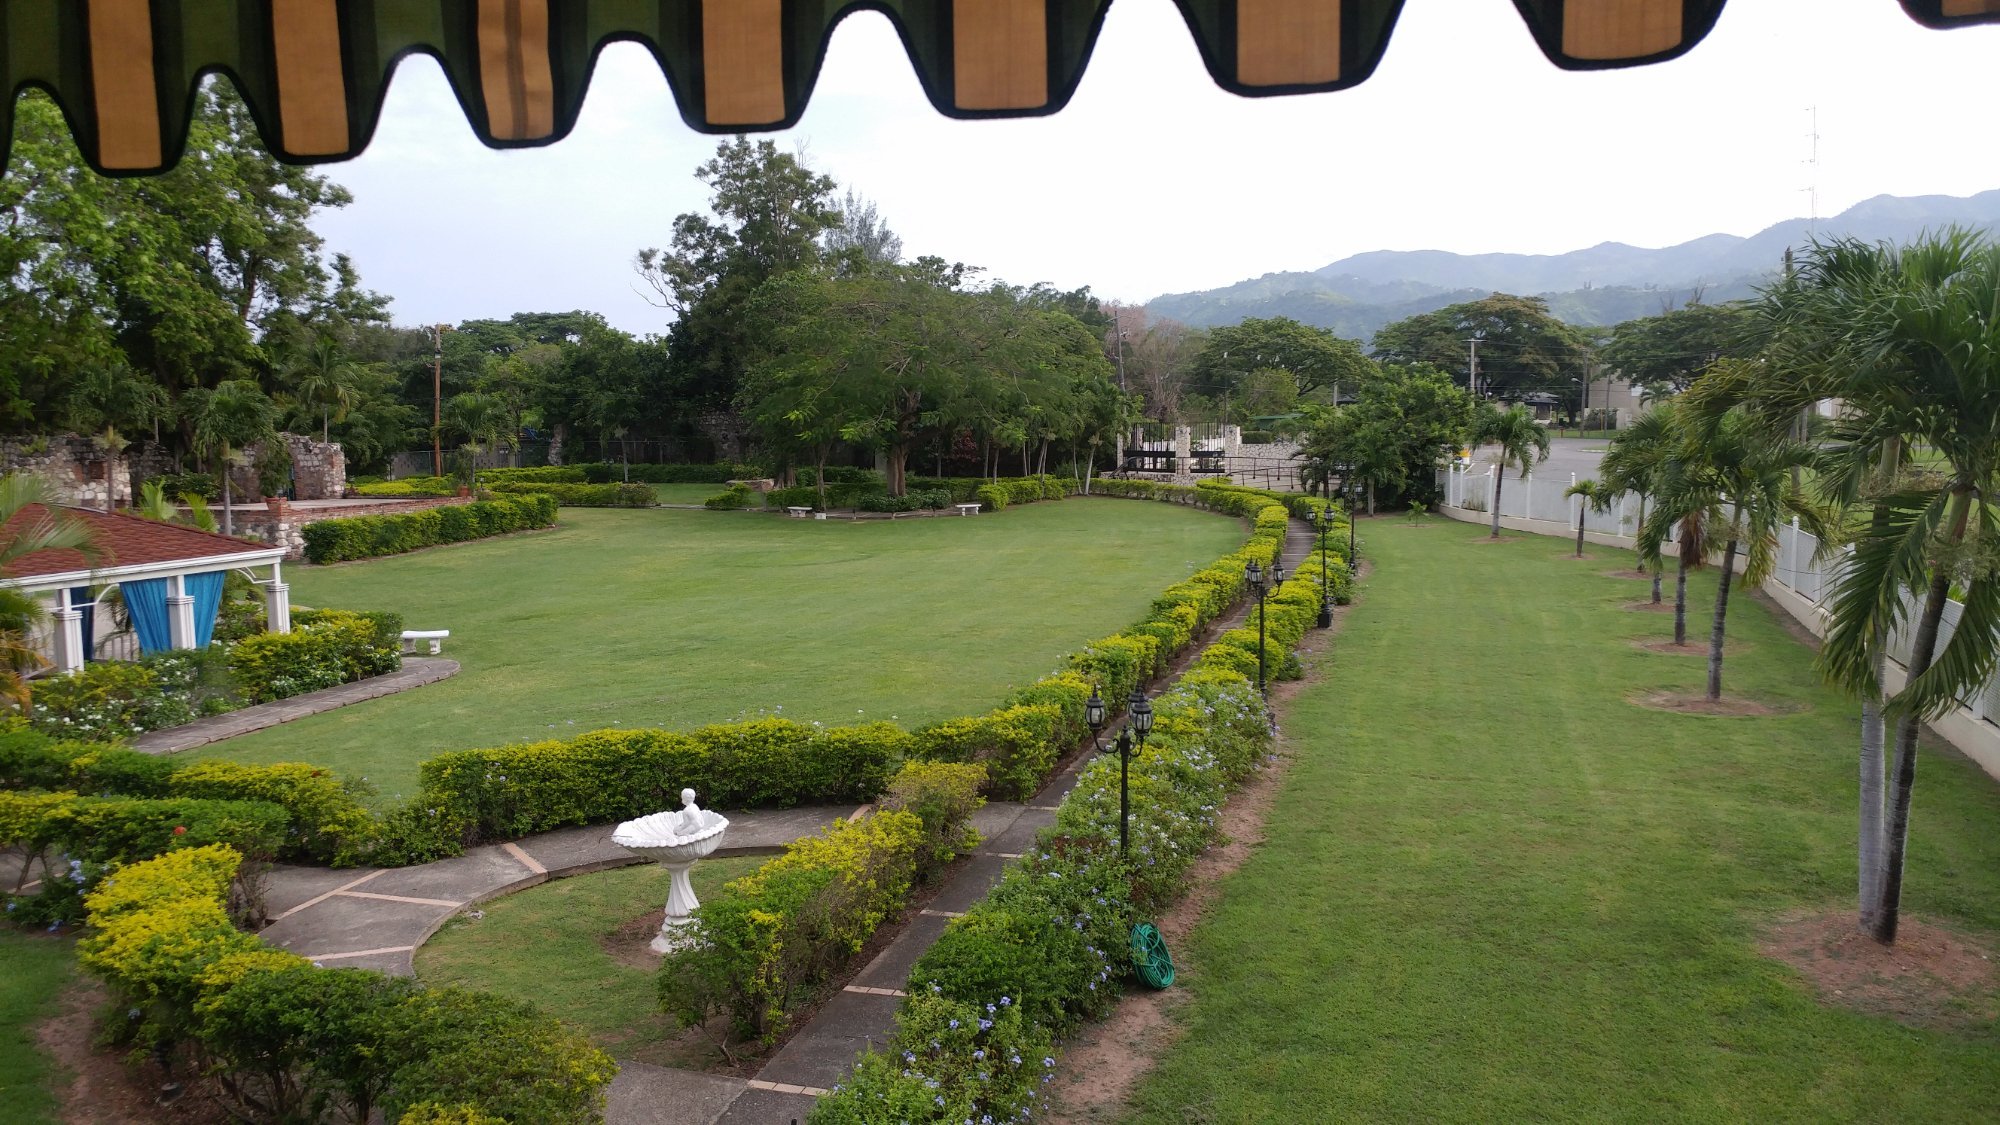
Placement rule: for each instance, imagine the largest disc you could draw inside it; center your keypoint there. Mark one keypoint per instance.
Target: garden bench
(798, 512)
(967, 509)
(434, 636)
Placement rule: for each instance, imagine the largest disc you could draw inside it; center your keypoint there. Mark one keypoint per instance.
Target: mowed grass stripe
(1495, 890)
(677, 618)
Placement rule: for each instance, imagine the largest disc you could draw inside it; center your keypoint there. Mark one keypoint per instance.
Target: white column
(180, 613)
(277, 602)
(1527, 495)
(69, 637)
(1579, 499)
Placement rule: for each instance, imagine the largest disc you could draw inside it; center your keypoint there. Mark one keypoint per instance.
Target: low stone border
(416, 672)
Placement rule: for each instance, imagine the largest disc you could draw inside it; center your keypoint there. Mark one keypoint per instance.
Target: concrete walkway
(415, 672)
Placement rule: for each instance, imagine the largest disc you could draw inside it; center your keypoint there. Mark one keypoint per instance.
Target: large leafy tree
(1521, 347)
(1311, 359)
(1665, 354)
(1405, 423)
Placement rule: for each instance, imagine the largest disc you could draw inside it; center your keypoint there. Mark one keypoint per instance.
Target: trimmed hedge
(472, 796)
(539, 474)
(406, 487)
(772, 938)
(365, 537)
(583, 495)
(286, 1040)
(604, 472)
(324, 648)
(734, 498)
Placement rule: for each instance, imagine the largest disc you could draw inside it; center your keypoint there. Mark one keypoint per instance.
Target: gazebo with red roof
(170, 576)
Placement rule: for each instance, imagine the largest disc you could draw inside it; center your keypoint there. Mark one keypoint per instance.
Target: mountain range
(1602, 285)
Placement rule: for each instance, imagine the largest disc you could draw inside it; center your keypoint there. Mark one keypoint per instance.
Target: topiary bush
(735, 498)
(324, 648)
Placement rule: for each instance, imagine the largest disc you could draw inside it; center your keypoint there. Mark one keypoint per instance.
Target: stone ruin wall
(81, 473)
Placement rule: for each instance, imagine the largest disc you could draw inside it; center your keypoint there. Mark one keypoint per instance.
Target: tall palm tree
(481, 418)
(1909, 340)
(324, 377)
(1521, 441)
(236, 414)
(52, 529)
(1632, 464)
(1596, 496)
(1733, 463)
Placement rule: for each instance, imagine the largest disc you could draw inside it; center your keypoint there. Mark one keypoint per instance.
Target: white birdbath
(676, 840)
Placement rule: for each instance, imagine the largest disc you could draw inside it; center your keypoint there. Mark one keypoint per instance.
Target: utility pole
(1472, 366)
(437, 398)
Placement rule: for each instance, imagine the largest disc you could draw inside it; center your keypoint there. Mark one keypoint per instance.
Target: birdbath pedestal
(676, 840)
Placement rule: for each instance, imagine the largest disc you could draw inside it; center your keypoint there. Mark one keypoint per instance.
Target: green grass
(546, 945)
(1494, 890)
(33, 970)
(675, 619)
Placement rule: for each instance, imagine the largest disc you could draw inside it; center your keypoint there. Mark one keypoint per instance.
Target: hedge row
(603, 472)
(1048, 947)
(539, 474)
(406, 487)
(364, 537)
(582, 495)
(325, 647)
(287, 1040)
(771, 939)
(470, 796)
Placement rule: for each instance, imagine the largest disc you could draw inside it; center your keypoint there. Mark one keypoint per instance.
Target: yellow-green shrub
(1017, 745)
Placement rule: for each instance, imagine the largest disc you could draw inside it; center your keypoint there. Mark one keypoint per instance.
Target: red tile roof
(122, 540)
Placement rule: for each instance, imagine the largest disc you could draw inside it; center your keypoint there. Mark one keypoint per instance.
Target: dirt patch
(1490, 539)
(631, 944)
(1650, 607)
(1631, 574)
(102, 1087)
(1932, 977)
(1100, 1068)
(1692, 648)
(1571, 556)
(1687, 703)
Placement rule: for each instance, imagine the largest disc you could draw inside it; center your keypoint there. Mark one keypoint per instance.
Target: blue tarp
(80, 600)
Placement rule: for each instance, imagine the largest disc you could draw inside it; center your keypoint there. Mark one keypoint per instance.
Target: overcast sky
(1154, 180)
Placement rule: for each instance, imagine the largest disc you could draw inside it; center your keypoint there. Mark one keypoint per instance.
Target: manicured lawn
(546, 945)
(687, 493)
(1494, 890)
(675, 619)
(32, 970)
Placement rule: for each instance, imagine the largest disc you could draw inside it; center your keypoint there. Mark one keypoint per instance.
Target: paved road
(1566, 455)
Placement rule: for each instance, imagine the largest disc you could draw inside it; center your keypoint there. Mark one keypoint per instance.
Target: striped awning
(314, 71)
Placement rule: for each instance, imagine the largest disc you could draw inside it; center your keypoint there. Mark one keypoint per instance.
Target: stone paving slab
(416, 672)
(480, 873)
(822, 1052)
(978, 876)
(891, 967)
(287, 887)
(644, 1094)
(399, 963)
(759, 1107)
(995, 817)
(343, 924)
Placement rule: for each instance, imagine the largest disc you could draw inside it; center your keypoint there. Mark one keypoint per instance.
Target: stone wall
(285, 524)
(319, 468)
(77, 469)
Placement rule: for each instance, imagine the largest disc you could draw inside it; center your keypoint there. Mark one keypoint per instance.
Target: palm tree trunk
(1579, 532)
(1896, 834)
(1721, 614)
(323, 423)
(1657, 571)
(228, 525)
(1870, 853)
(1498, 476)
(1642, 561)
(1681, 604)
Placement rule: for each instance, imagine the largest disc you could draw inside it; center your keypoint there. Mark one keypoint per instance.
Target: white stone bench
(434, 636)
(798, 512)
(967, 509)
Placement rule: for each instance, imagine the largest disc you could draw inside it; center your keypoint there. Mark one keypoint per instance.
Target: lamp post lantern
(1093, 714)
(1140, 711)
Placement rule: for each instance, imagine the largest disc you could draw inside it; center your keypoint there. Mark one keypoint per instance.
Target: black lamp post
(1322, 519)
(1093, 716)
(1255, 574)
(1140, 711)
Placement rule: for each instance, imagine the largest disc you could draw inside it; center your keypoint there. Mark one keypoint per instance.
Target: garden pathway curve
(415, 672)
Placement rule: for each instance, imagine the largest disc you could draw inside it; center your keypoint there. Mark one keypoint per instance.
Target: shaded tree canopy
(1314, 358)
(1522, 348)
(1665, 354)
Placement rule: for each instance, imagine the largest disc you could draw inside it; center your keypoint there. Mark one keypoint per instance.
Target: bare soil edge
(1691, 648)
(1729, 706)
(1097, 1071)
(99, 1087)
(1934, 977)
(1650, 606)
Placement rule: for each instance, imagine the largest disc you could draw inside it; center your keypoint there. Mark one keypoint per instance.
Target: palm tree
(237, 413)
(481, 418)
(1597, 497)
(1909, 340)
(1521, 440)
(323, 376)
(1632, 464)
(1733, 462)
(52, 529)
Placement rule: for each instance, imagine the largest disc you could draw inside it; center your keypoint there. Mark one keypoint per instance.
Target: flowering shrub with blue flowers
(955, 1061)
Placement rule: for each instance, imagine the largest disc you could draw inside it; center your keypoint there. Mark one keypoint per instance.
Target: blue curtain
(146, 604)
(206, 590)
(79, 600)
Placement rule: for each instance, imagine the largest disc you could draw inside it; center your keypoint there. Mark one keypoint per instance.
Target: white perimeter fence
(1540, 497)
